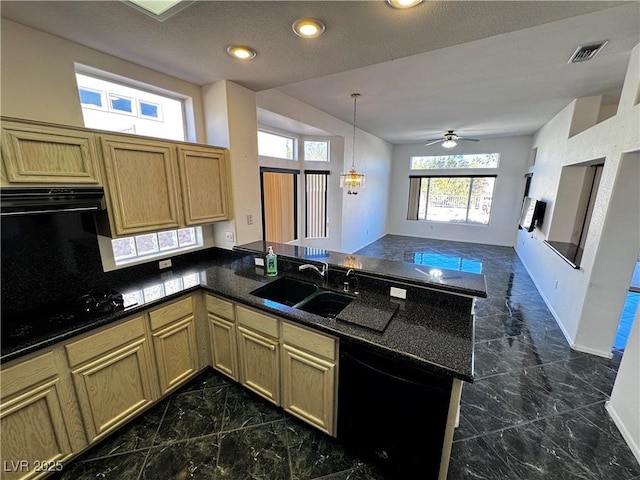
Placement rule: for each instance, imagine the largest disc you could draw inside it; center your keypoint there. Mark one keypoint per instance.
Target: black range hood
(35, 200)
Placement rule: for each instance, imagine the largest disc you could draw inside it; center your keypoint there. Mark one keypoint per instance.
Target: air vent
(587, 52)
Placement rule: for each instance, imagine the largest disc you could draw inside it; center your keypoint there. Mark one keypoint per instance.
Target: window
(90, 98)
(442, 162)
(316, 151)
(278, 146)
(451, 199)
(151, 245)
(120, 104)
(116, 107)
(149, 110)
(316, 204)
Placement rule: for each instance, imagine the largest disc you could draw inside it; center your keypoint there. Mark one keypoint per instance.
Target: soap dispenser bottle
(272, 263)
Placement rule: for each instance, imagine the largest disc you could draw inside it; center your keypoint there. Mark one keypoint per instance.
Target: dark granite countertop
(454, 281)
(430, 329)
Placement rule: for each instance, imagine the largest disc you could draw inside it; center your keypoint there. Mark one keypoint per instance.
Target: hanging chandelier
(352, 179)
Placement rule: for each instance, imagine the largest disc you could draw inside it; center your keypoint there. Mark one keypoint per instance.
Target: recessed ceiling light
(403, 3)
(308, 27)
(241, 52)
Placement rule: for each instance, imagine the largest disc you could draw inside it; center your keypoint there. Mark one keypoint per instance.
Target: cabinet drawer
(104, 341)
(25, 374)
(219, 307)
(258, 321)
(310, 341)
(170, 313)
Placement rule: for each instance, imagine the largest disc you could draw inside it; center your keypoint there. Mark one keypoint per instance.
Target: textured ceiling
(486, 68)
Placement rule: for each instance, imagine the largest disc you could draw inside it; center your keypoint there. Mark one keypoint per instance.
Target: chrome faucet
(351, 275)
(324, 273)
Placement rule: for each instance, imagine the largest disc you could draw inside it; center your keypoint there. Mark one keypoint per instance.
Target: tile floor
(535, 410)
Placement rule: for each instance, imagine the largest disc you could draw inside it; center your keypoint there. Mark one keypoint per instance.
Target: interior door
(279, 206)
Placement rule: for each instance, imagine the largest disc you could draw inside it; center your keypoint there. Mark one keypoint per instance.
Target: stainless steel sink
(305, 296)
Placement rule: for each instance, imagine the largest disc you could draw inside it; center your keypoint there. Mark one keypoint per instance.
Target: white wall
(231, 121)
(587, 302)
(363, 216)
(514, 153)
(39, 83)
(624, 405)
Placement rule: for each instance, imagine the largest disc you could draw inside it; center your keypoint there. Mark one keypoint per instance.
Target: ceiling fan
(449, 140)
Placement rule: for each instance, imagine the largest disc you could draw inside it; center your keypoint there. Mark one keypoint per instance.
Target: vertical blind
(316, 204)
(279, 206)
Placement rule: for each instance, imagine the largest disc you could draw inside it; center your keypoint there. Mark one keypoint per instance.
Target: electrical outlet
(398, 293)
(164, 263)
(228, 236)
(555, 285)
(249, 219)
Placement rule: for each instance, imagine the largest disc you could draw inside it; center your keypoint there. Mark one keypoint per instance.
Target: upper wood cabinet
(37, 154)
(203, 177)
(142, 188)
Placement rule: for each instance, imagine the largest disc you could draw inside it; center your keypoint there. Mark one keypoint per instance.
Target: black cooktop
(26, 325)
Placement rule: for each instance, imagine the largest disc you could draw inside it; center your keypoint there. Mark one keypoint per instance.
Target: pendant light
(353, 179)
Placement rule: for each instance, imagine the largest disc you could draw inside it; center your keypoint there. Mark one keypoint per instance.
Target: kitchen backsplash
(55, 257)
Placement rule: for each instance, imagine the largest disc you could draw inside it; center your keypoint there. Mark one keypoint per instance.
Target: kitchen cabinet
(309, 372)
(259, 353)
(142, 188)
(35, 421)
(173, 331)
(34, 154)
(203, 178)
(222, 333)
(113, 375)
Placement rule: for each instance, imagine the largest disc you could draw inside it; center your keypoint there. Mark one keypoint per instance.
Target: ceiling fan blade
(468, 139)
(433, 141)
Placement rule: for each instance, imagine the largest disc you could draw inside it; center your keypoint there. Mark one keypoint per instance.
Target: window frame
(304, 141)
(294, 148)
(159, 118)
(132, 100)
(455, 168)
(103, 99)
(136, 257)
(411, 214)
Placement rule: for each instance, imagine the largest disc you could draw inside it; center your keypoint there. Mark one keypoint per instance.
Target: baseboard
(547, 303)
(591, 351)
(624, 431)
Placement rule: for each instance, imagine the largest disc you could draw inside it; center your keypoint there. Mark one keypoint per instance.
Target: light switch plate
(259, 261)
(398, 293)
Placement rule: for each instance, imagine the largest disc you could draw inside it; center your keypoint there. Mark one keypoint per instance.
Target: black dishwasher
(392, 413)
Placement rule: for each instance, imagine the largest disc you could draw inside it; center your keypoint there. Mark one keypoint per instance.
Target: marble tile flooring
(535, 410)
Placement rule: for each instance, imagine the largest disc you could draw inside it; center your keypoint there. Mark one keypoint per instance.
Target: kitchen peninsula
(429, 334)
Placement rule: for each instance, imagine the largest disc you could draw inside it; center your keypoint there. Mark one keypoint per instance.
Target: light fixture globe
(449, 143)
(403, 3)
(353, 180)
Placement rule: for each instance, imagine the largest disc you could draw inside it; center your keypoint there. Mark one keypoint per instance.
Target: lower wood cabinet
(222, 334)
(113, 375)
(35, 437)
(259, 353)
(173, 331)
(309, 376)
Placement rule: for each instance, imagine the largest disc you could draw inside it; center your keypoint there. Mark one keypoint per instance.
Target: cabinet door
(113, 375)
(48, 155)
(34, 434)
(142, 185)
(203, 175)
(308, 370)
(259, 365)
(223, 346)
(174, 340)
